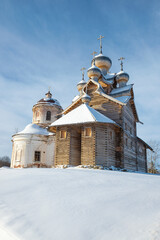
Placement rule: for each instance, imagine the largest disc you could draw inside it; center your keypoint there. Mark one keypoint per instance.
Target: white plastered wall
(24, 147)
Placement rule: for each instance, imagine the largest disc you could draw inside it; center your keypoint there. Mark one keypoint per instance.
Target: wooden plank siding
(141, 157)
(88, 146)
(75, 146)
(107, 107)
(62, 147)
(129, 126)
(106, 144)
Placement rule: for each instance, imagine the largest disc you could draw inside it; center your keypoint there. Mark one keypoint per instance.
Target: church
(97, 129)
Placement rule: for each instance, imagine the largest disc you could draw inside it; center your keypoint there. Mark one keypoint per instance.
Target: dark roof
(51, 100)
(147, 146)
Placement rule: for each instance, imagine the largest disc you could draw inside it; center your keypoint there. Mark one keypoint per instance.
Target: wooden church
(99, 127)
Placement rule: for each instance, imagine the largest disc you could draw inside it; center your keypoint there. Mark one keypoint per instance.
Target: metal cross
(82, 69)
(100, 38)
(94, 56)
(49, 88)
(121, 59)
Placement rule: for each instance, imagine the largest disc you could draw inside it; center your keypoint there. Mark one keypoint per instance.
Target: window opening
(63, 134)
(48, 116)
(37, 156)
(88, 132)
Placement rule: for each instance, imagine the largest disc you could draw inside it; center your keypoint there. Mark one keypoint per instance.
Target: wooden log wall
(62, 147)
(75, 146)
(88, 146)
(107, 107)
(106, 145)
(101, 151)
(141, 157)
(129, 126)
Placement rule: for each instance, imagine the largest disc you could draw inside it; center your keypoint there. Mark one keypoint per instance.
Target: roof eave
(147, 146)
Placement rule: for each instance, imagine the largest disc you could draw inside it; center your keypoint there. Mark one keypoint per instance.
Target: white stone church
(34, 146)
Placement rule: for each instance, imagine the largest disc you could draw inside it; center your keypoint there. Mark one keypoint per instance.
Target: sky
(45, 43)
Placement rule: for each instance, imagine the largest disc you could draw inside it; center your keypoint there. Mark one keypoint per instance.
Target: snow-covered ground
(81, 204)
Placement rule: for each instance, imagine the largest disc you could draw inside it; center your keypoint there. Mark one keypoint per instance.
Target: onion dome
(122, 78)
(86, 98)
(49, 100)
(80, 85)
(94, 72)
(102, 62)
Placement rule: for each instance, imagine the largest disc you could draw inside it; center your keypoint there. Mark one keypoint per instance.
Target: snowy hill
(81, 204)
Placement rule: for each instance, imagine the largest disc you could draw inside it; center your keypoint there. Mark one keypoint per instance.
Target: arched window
(48, 116)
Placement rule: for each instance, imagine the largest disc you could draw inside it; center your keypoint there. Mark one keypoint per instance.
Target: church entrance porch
(75, 146)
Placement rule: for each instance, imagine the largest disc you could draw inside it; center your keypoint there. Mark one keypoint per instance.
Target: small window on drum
(88, 132)
(37, 156)
(48, 116)
(63, 134)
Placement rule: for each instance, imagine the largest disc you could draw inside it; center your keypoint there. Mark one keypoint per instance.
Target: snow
(34, 129)
(121, 72)
(99, 55)
(93, 67)
(121, 89)
(82, 114)
(82, 82)
(47, 101)
(123, 99)
(75, 98)
(109, 76)
(81, 204)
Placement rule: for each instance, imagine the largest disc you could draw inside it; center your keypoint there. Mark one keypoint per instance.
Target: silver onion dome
(94, 72)
(80, 85)
(122, 78)
(102, 62)
(86, 98)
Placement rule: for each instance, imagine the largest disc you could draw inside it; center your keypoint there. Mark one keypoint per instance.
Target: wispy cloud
(44, 44)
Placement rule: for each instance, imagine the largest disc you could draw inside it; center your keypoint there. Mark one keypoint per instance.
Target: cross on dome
(121, 59)
(94, 53)
(100, 38)
(82, 70)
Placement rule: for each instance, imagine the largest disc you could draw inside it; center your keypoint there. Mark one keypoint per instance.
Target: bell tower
(46, 110)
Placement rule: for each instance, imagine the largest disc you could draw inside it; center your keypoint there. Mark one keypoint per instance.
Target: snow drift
(81, 204)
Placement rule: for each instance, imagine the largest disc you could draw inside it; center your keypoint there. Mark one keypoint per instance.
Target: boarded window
(63, 134)
(88, 132)
(125, 126)
(37, 156)
(48, 116)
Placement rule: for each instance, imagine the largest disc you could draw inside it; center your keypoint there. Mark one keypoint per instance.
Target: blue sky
(45, 43)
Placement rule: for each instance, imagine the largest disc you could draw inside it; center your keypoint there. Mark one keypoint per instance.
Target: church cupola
(82, 83)
(46, 110)
(94, 72)
(48, 95)
(101, 61)
(86, 98)
(122, 77)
